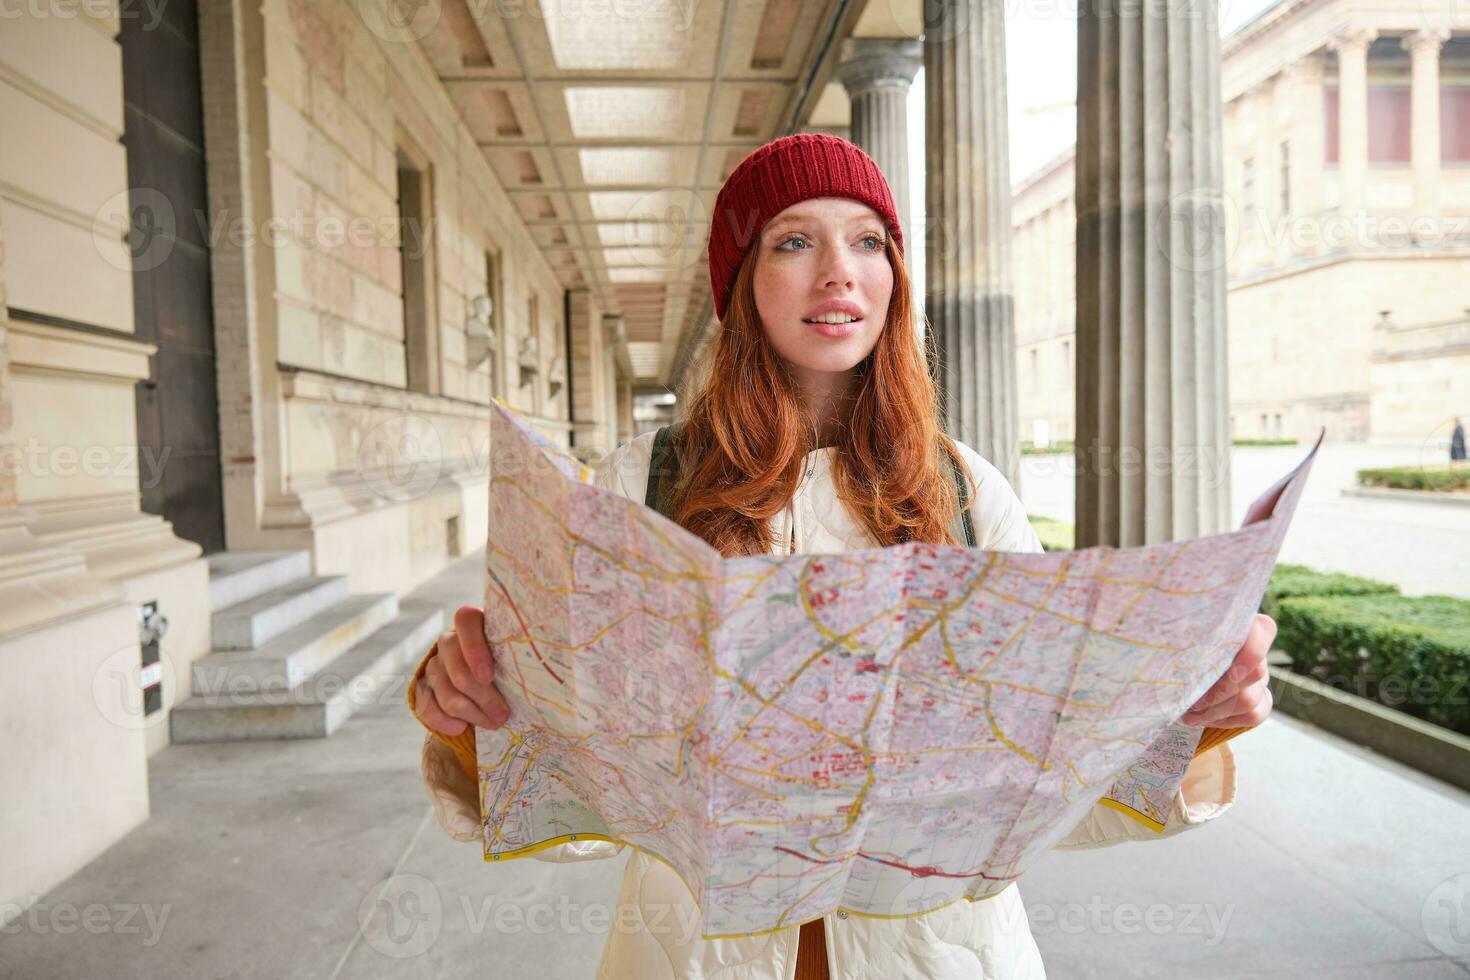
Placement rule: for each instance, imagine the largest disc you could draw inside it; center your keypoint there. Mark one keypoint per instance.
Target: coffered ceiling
(613, 124)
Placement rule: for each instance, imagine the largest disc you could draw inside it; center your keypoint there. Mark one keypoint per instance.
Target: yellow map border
(1128, 811)
(530, 849)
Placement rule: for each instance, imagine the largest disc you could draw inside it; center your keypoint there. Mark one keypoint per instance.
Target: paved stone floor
(321, 859)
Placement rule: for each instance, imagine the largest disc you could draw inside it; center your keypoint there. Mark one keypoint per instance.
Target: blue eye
(878, 244)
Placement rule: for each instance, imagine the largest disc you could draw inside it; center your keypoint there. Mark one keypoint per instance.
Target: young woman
(816, 430)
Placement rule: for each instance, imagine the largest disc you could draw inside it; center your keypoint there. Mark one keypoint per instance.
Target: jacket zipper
(806, 474)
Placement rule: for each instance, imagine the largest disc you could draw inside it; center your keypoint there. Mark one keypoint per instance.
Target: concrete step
(235, 576)
(294, 655)
(372, 671)
(258, 620)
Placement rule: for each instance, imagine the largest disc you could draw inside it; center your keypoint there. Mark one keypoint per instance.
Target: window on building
(1285, 177)
(1263, 425)
(1388, 124)
(1067, 378)
(1276, 426)
(1454, 123)
(533, 329)
(562, 344)
(497, 316)
(416, 262)
(1248, 185)
(1035, 369)
(1329, 123)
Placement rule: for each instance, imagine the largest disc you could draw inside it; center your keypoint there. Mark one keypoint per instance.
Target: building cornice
(1046, 170)
(1264, 23)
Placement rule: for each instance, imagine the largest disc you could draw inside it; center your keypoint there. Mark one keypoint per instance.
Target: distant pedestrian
(1457, 443)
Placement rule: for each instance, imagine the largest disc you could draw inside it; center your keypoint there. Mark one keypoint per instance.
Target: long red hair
(747, 432)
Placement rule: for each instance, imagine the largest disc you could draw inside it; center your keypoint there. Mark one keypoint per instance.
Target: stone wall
(1301, 342)
(76, 553)
(1420, 380)
(344, 431)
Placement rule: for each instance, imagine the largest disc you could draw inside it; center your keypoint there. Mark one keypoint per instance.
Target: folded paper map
(881, 731)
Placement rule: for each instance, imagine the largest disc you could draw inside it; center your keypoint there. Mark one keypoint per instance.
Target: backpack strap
(663, 471)
(962, 528)
(663, 475)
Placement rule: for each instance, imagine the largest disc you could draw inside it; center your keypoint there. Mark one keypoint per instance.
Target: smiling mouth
(838, 321)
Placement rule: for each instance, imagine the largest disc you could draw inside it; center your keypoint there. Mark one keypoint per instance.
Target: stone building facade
(246, 252)
(265, 265)
(1347, 201)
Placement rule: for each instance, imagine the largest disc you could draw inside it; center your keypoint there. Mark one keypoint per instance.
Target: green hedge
(1054, 535)
(1069, 446)
(1409, 652)
(1299, 580)
(1031, 449)
(1443, 478)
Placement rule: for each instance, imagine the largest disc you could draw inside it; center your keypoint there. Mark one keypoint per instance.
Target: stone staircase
(294, 654)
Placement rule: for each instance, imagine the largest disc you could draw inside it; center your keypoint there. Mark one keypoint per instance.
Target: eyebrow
(800, 217)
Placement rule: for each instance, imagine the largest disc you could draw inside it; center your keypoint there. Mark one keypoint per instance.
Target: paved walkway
(1424, 548)
(320, 859)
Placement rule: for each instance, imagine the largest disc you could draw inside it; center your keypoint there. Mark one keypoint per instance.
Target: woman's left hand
(1242, 697)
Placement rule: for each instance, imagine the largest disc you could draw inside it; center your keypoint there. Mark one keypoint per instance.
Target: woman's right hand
(458, 684)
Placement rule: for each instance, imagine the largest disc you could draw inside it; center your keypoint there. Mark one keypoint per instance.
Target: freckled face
(819, 254)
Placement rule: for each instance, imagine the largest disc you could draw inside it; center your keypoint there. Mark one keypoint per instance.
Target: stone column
(1152, 404)
(242, 273)
(968, 214)
(1306, 134)
(626, 423)
(8, 462)
(1352, 114)
(586, 374)
(1423, 47)
(877, 73)
(1056, 262)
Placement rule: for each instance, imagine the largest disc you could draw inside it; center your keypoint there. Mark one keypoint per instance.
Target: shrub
(1298, 580)
(1409, 652)
(1442, 478)
(1031, 449)
(1054, 535)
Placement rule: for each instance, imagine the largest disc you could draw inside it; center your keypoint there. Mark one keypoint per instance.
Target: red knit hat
(774, 177)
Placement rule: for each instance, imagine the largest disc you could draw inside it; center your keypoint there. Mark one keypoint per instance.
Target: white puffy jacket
(985, 940)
